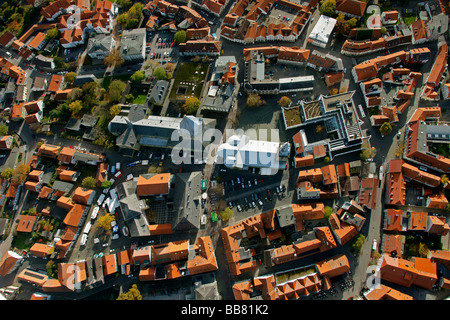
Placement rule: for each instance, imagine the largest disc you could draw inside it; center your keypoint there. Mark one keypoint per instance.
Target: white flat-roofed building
(321, 32)
(240, 152)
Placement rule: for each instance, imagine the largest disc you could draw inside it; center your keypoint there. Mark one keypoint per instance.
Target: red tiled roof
(353, 7)
(26, 223)
(155, 185)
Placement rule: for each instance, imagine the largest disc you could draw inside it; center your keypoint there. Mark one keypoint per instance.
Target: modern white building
(241, 152)
(321, 32)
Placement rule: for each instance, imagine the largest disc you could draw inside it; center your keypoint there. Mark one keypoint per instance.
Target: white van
(117, 166)
(83, 239)
(95, 212)
(381, 175)
(87, 228)
(100, 199)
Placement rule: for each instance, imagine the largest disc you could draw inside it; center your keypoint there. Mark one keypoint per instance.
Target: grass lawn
(139, 93)
(108, 80)
(409, 18)
(140, 99)
(189, 76)
(19, 241)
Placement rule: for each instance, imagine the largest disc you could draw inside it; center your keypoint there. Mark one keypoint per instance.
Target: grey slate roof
(159, 92)
(187, 201)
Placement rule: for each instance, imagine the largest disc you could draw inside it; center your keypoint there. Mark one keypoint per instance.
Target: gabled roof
(154, 185)
(6, 38)
(8, 261)
(82, 195)
(37, 40)
(353, 7)
(55, 83)
(73, 217)
(26, 223)
(333, 267)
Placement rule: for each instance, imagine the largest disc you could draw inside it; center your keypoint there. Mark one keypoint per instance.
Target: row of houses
(418, 133)
(199, 41)
(241, 28)
(405, 82)
(424, 271)
(369, 69)
(430, 91)
(164, 261)
(432, 23)
(269, 227)
(272, 286)
(400, 172)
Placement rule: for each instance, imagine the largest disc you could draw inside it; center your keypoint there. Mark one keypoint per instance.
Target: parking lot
(414, 196)
(248, 191)
(160, 47)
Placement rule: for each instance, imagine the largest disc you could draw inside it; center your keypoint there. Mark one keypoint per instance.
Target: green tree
(104, 221)
(135, 12)
(69, 77)
(115, 90)
(52, 269)
(89, 182)
(327, 7)
(160, 74)
(352, 22)
(226, 214)
(132, 294)
(3, 130)
(62, 112)
(169, 67)
(53, 34)
(254, 100)
(122, 20)
(114, 59)
(115, 110)
(358, 243)
(125, 4)
(7, 173)
(191, 105)
(342, 27)
(284, 101)
(386, 128)
(367, 152)
(423, 250)
(132, 23)
(327, 211)
(90, 94)
(444, 179)
(76, 108)
(180, 37)
(106, 184)
(60, 63)
(20, 173)
(138, 76)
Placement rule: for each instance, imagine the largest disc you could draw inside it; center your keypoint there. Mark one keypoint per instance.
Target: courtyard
(189, 80)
